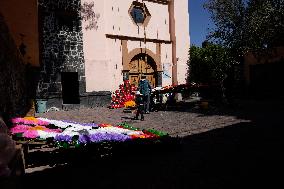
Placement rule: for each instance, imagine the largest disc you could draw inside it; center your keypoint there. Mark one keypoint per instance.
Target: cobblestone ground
(245, 153)
(181, 122)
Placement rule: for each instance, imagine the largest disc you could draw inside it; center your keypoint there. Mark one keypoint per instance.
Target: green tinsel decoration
(153, 131)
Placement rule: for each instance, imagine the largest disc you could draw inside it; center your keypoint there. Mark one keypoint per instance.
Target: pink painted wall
(182, 37)
(103, 56)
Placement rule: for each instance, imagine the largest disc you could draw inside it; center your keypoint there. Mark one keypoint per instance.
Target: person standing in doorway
(145, 89)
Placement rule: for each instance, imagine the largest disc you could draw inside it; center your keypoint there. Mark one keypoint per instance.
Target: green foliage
(265, 23)
(243, 25)
(209, 64)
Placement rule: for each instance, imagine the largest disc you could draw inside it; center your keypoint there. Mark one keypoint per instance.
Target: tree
(88, 15)
(210, 64)
(265, 23)
(243, 25)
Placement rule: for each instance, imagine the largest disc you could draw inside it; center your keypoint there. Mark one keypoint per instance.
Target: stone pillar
(173, 40)
(125, 55)
(125, 75)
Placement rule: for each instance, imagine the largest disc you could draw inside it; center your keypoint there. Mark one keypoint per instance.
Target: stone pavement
(183, 122)
(241, 148)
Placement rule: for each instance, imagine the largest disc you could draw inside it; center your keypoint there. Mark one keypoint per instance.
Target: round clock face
(138, 15)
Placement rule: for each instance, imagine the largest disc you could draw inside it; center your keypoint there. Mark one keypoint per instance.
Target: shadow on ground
(242, 155)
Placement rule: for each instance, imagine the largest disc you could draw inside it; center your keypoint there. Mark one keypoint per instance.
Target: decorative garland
(66, 133)
(146, 131)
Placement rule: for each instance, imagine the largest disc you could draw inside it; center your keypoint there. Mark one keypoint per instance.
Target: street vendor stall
(167, 96)
(31, 131)
(161, 97)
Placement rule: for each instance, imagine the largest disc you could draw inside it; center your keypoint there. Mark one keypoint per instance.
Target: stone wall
(88, 100)
(61, 50)
(61, 45)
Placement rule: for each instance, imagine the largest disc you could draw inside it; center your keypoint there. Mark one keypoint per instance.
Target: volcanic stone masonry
(61, 45)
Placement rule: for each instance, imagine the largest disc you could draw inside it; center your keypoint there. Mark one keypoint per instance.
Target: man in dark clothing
(145, 89)
(140, 106)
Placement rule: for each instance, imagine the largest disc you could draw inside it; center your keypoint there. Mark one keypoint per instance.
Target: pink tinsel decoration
(31, 134)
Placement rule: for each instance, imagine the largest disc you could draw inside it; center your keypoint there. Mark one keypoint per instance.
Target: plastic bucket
(41, 106)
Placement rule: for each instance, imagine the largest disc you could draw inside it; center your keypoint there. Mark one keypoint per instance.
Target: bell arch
(142, 64)
(138, 51)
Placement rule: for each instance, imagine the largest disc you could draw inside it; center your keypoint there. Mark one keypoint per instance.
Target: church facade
(81, 61)
(134, 38)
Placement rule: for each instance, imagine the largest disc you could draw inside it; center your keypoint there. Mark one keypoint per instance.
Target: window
(137, 14)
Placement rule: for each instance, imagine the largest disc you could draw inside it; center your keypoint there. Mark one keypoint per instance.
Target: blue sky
(199, 22)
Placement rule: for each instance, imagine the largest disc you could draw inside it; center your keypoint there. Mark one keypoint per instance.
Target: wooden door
(141, 67)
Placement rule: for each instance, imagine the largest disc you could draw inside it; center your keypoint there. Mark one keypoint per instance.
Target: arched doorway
(142, 64)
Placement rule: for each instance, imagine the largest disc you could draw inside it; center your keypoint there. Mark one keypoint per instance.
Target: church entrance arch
(142, 64)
